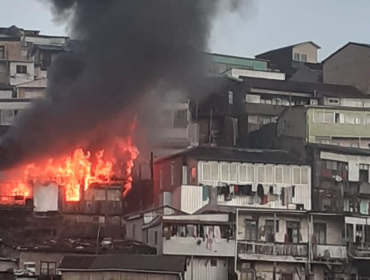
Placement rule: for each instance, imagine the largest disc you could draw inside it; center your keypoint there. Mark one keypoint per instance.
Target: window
(21, 69)
(296, 175)
(323, 140)
(320, 233)
(293, 232)
(2, 52)
(172, 173)
(278, 175)
(231, 97)
(337, 118)
(300, 57)
(247, 275)
(297, 57)
(156, 238)
(251, 230)
(180, 119)
(95, 219)
(213, 262)
(246, 173)
(333, 101)
(210, 171)
(318, 117)
(30, 266)
(7, 116)
(270, 230)
(233, 172)
(48, 268)
(225, 172)
(328, 117)
(265, 174)
(250, 98)
(331, 165)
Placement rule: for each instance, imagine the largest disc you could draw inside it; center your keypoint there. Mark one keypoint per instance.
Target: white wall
(203, 269)
(16, 78)
(134, 229)
(236, 73)
(6, 94)
(45, 197)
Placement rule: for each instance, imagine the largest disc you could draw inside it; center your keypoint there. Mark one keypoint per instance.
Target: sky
(263, 25)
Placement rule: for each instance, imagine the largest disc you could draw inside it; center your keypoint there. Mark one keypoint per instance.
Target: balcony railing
(327, 252)
(360, 250)
(274, 249)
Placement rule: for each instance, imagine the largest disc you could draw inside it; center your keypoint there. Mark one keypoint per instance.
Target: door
(293, 232)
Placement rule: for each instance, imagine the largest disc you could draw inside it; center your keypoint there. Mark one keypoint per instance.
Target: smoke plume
(125, 50)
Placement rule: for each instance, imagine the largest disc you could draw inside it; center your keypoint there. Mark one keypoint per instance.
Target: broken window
(320, 233)
(21, 69)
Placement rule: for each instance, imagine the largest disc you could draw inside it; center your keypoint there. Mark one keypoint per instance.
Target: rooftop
(340, 149)
(237, 155)
(138, 263)
(305, 87)
(345, 46)
(289, 47)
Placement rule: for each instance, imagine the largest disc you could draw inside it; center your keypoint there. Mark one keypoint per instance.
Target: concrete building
(267, 99)
(349, 66)
(208, 175)
(299, 61)
(342, 126)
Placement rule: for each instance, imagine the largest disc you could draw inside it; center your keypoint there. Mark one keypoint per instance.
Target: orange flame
(78, 171)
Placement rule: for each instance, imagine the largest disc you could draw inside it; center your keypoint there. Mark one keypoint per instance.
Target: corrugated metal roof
(169, 264)
(305, 87)
(238, 155)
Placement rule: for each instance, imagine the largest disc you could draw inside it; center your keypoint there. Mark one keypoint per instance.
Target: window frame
(49, 271)
(20, 69)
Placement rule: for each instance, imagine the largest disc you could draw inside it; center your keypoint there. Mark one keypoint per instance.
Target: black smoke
(126, 49)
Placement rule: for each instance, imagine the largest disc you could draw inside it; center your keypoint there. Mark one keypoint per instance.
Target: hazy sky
(265, 25)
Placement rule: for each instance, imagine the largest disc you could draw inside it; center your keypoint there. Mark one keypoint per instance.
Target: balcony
(359, 251)
(272, 251)
(198, 247)
(329, 252)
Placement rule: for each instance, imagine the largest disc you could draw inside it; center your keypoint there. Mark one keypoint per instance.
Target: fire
(77, 172)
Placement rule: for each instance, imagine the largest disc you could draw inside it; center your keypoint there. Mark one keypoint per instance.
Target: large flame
(78, 171)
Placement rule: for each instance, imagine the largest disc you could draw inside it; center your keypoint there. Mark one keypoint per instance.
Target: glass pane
(278, 175)
(287, 179)
(296, 175)
(243, 173)
(214, 171)
(206, 171)
(233, 173)
(250, 174)
(269, 174)
(225, 172)
(304, 175)
(261, 174)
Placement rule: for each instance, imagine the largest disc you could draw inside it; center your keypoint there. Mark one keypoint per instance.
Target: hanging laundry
(266, 189)
(213, 196)
(282, 196)
(223, 190)
(205, 193)
(219, 190)
(248, 190)
(217, 232)
(236, 190)
(232, 190)
(254, 187)
(260, 191)
(264, 199)
(271, 190)
(277, 190)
